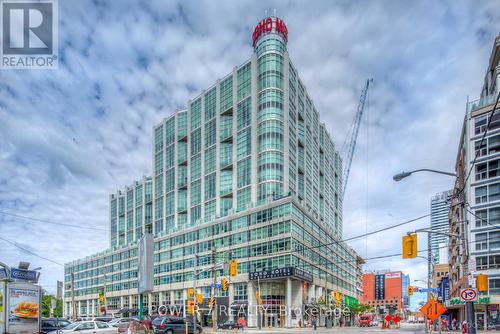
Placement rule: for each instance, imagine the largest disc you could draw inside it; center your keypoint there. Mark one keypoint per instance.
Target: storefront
(486, 310)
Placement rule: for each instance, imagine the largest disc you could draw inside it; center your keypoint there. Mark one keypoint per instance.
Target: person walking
(314, 324)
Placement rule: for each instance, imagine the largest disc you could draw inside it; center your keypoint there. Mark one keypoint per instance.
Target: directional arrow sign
(468, 295)
(433, 309)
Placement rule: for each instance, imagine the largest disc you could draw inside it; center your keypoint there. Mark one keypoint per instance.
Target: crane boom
(354, 135)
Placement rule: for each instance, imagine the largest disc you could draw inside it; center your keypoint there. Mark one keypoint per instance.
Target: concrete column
(289, 305)
(172, 296)
(252, 306)
(312, 292)
(231, 300)
(150, 302)
(184, 297)
(160, 298)
(130, 301)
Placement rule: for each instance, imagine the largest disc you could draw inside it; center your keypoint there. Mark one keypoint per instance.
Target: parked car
(87, 327)
(103, 318)
(365, 320)
(174, 325)
(52, 324)
(229, 325)
(116, 321)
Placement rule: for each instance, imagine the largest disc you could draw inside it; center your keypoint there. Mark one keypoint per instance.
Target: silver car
(87, 327)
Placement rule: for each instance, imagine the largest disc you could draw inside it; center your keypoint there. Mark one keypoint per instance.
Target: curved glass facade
(270, 49)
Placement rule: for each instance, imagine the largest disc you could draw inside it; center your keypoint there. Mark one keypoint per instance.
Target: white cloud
(71, 136)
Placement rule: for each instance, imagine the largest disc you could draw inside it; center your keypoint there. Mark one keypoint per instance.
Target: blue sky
(69, 137)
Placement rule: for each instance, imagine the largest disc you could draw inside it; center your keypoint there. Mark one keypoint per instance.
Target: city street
(405, 328)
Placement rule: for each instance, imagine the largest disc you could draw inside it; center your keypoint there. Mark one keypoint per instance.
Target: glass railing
(482, 102)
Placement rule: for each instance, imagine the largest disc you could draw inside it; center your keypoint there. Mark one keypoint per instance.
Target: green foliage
(46, 305)
(360, 309)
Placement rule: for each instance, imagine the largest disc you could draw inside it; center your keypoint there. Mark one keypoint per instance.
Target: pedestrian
(444, 324)
(132, 328)
(300, 323)
(454, 324)
(314, 324)
(241, 323)
(397, 319)
(387, 320)
(464, 327)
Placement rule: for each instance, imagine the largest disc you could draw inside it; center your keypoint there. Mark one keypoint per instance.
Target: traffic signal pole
(195, 297)
(214, 307)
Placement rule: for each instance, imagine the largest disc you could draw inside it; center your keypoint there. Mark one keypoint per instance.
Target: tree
(360, 308)
(47, 304)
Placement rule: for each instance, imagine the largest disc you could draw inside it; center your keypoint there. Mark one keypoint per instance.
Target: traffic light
(199, 298)
(337, 298)
(190, 307)
(257, 296)
(190, 293)
(482, 282)
(410, 291)
(233, 268)
(225, 284)
(212, 302)
(410, 246)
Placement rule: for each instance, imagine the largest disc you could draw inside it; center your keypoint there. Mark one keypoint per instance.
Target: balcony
(482, 102)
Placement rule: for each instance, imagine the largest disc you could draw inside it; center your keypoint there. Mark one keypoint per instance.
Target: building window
(226, 94)
(494, 240)
(210, 162)
(244, 81)
(210, 104)
(210, 133)
(481, 194)
(195, 114)
(494, 286)
(480, 124)
(244, 113)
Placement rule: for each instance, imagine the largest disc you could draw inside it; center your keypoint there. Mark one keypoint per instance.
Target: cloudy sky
(69, 137)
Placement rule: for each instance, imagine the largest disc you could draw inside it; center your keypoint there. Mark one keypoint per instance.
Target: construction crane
(353, 131)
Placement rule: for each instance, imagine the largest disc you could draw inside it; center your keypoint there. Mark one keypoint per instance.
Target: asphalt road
(405, 328)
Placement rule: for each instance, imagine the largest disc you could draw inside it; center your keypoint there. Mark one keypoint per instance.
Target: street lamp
(398, 177)
(402, 175)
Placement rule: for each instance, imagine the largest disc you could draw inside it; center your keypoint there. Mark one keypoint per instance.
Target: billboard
(145, 254)
(23, 308)
(396, 274)
(2, 306)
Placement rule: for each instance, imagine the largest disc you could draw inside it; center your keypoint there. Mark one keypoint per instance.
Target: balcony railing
(482, 102)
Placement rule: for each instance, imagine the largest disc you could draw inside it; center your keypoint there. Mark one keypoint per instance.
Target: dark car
(52, 324)
(229, 325)
(174, 325)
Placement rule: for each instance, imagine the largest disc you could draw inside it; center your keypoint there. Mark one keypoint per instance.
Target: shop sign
(267, 25)
(281, 272)
(23, 308)
(480, 300)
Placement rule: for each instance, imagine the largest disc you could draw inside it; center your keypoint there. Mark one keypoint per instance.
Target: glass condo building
(248, 172)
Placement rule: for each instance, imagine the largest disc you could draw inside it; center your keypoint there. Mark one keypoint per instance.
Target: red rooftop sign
(267, 25)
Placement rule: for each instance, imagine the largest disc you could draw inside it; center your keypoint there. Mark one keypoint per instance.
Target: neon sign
(267, 25)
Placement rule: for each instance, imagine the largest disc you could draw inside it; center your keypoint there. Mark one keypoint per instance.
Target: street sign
(216, 285)
(433, 309)
(433, 290)
(468, 295)
(23, 275)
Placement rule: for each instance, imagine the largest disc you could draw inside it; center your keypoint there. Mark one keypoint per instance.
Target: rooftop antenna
(274, 12)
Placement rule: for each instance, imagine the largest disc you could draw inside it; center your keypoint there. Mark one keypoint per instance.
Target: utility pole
(214, 274)
(195, 296)
(73, 306)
